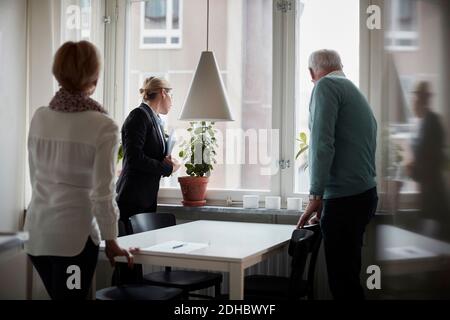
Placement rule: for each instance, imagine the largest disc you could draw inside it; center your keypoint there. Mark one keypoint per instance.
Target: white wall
(13, 64)
(43, 40)
(12, 110)
(42, 47)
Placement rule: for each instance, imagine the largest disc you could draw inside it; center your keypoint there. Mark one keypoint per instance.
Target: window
(402, 25)
(241, 38)
(78, 19)
(161, 24)
(266, 79)
(83, 20)
(339, 30)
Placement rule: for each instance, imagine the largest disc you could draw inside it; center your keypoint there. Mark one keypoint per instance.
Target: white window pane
(77, 20)
(241, 38)
(401, 20)
(407, 14)
(336, 28)
(176, 14)
(82, 20)
(154, 40)
(155, 14)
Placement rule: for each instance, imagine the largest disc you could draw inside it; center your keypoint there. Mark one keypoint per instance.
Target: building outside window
(161, 24)
(402, 25)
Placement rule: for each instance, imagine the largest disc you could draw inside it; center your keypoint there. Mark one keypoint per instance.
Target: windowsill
(233, 213)
(225, 209)
(240, 214)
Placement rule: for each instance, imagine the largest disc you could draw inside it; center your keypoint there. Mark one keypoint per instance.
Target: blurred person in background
(429, 160)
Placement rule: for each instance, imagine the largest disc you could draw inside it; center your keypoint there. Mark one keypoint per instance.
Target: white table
(231, 247)
(400, 251)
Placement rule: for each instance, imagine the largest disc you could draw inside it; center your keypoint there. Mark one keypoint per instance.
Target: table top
(394, 243)
(217, 240)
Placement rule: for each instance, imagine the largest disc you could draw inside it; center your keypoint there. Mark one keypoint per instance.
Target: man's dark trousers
(343, 223)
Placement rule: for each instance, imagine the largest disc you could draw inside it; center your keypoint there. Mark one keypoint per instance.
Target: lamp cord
(207, 25)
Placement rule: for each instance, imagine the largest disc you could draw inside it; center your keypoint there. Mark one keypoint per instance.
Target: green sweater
(343, 139)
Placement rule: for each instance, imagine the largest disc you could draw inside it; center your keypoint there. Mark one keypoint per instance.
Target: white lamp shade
(207, 99)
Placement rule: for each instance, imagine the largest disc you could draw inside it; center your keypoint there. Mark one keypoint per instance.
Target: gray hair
(325, 60)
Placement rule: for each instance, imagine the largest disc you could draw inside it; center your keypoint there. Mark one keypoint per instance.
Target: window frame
(283, 97)
(168, 32)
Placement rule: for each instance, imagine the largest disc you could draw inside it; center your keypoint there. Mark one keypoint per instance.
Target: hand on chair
(314, 206)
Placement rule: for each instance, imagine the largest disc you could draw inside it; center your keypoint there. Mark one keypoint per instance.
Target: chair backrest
(314, 252)
(143, 222)
(122, 229)
(299, 248)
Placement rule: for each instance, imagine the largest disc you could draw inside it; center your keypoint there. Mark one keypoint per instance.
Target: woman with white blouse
(72, 147)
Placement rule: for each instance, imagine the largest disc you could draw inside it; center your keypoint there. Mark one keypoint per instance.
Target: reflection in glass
(413, 243)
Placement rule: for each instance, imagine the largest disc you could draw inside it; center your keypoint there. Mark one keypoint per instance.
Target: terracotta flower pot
(193, 190)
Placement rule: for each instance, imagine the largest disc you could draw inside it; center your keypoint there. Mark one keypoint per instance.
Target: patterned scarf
(66, 101)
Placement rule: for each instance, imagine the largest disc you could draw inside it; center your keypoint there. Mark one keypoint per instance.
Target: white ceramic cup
(273, 202)
(295, 204)
(250, 201)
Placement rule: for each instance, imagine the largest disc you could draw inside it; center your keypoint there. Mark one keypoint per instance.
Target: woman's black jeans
(343, 224)
(56, 273)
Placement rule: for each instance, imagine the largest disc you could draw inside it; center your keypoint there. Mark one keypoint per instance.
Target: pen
(178, 246)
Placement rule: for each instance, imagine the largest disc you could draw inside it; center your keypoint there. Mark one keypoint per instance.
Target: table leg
(30, 279)
(236, 281)
(93, 286)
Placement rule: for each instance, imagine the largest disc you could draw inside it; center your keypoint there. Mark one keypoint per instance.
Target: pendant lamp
(207, 99)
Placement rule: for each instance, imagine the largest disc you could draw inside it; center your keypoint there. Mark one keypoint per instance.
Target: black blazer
(143, 165)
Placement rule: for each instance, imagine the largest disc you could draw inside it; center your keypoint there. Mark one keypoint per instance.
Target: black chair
(304, 242)
(185, 280)
(135, 291)
(123, 275)
(139, 292)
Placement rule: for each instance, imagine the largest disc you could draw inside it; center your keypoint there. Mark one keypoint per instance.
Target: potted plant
(303, 148)
(199, 152)
(120, 153)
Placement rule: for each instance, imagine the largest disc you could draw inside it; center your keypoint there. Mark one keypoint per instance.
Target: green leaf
(303, 137)
(120, 153)
(301, 151)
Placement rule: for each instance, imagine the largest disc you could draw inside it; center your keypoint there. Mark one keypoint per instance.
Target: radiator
(278, 265)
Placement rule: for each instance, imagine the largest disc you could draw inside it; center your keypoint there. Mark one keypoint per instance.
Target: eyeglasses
(169, 93)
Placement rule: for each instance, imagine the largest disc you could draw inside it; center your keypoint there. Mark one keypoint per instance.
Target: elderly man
(343, 191)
